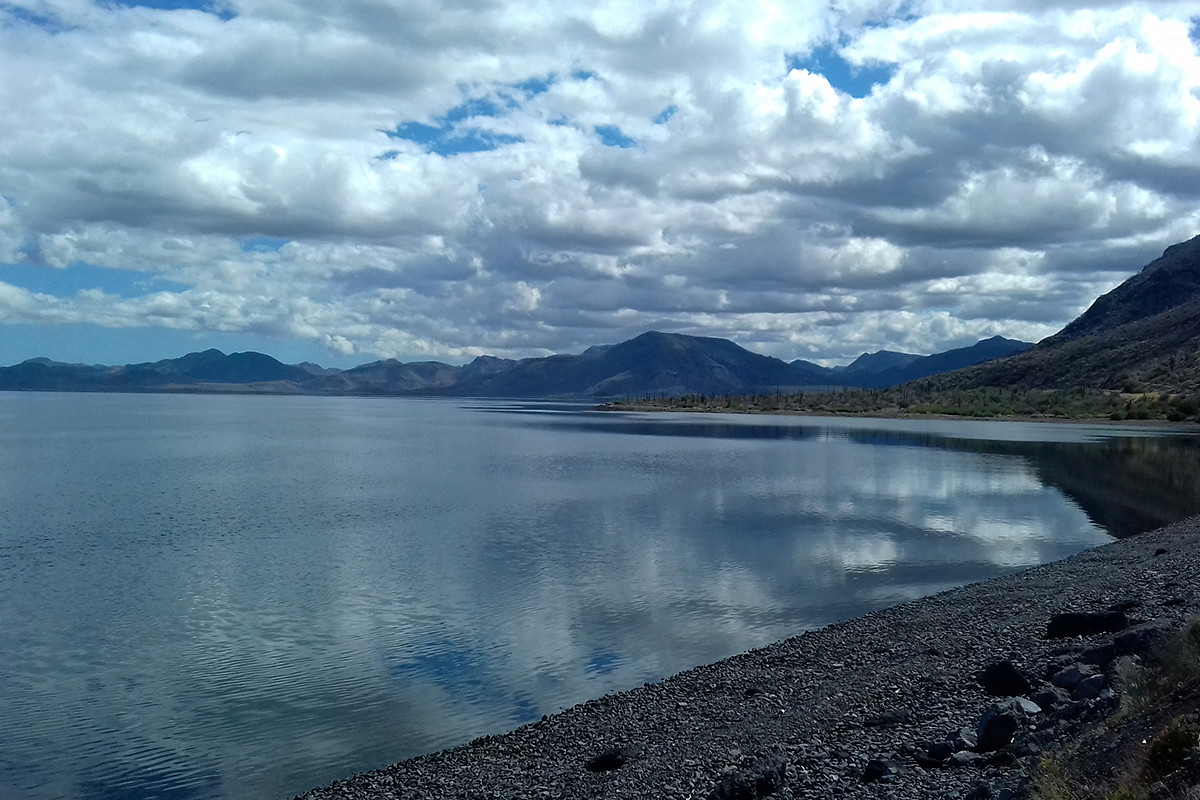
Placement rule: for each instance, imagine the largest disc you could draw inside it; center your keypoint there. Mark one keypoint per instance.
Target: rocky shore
(953, 696)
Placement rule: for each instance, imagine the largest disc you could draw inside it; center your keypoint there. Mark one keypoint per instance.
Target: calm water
(246, 597)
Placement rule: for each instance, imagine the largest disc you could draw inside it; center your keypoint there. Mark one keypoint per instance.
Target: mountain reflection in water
(1127, 480)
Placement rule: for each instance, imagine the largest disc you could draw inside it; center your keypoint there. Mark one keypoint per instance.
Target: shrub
(1050, 781)
(1169, 748)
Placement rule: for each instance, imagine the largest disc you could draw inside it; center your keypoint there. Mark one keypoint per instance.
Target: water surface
(237, 597)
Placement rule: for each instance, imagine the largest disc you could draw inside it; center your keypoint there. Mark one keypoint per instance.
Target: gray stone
(1072, 676)
(964, 759)
(1050, 698)
(1140, 638)
(1001, 722)
(964, 739)
(764, 776)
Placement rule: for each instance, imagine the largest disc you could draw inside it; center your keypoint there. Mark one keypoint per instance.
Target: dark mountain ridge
(905, 370)
(652, 364)
(1144, 335)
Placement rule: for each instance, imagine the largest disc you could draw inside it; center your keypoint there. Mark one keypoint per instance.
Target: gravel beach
(950, 696)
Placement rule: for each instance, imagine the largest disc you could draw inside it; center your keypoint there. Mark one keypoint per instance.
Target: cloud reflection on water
(276, 592)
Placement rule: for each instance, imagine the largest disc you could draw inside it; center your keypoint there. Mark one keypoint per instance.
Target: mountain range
(652, 364)
(1143, 336)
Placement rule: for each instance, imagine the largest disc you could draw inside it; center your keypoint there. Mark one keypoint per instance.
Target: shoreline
(855, 709)
(895, 414)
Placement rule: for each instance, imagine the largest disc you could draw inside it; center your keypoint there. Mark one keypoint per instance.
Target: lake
(247, 597)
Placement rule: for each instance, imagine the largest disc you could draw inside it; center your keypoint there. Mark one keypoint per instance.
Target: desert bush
(1169, 748)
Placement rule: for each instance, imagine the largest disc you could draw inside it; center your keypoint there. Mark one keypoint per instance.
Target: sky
(339, 181)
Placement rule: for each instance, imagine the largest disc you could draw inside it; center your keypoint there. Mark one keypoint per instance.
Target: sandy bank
(829, 707)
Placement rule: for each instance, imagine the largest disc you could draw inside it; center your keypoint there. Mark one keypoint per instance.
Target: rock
(610, 759)
(1050, 698)
(1089, 623)
(1070, 711)
(1072, 676)
(1140, 638)
(1100, 655)
(1089, 688)
(1004, 679)
(965, 759)
(940, 751)
(1001, 722)
(876, 769)
(964, 739)
(764, 776)
(893, 717)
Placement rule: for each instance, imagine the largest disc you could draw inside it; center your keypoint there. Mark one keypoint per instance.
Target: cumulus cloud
(442, 179)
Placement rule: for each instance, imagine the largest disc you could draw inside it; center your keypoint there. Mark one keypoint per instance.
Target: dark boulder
(1004, 679)
(1089, 688)
(1001, 722)
(610, 759)
(1086, 623)
(1100, 655)
(1140, 638)
(940, 751)
(875, 770)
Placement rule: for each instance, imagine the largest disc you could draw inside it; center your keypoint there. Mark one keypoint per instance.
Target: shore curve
(854, 709)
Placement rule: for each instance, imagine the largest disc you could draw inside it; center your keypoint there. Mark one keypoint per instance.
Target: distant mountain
(1144, 335)
(652, 364)
(874, 363)
(913, 368)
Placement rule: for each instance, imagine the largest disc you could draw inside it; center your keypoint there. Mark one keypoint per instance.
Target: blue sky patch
(841, 74)
(666, 114)
(535, 86)
(1194, 31)
(77, 277)
(447, 137)
(10, 13)
(612, 136)
(263, 244)
(222, 11)
(447, 140)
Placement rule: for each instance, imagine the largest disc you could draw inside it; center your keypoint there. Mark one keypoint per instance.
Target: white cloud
(1011, 149)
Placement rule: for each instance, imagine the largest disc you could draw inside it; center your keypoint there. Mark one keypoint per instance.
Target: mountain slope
(1144, 335)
